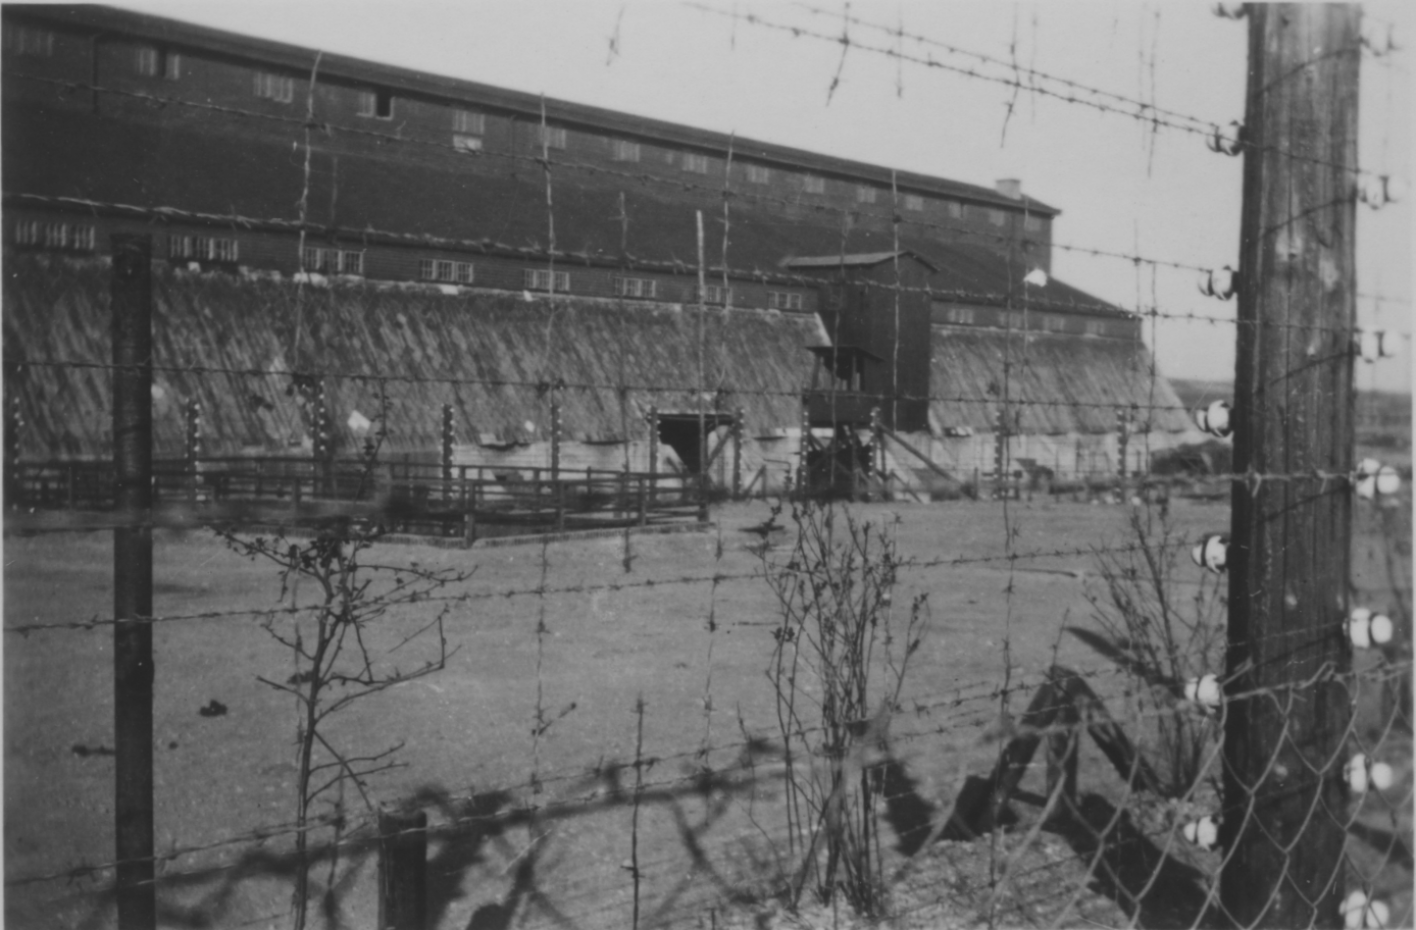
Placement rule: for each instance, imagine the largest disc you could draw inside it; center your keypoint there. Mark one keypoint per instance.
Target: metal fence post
(132, 580)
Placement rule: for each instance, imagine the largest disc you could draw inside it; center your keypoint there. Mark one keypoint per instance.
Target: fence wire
(600, 741)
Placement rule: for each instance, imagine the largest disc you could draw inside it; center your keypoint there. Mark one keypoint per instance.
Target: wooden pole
(403, 870)
(132, 580)
(1285, 800)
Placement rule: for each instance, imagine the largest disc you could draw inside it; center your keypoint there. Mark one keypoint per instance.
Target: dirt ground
(622, 619)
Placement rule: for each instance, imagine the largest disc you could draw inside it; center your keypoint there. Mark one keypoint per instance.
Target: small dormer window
(375, 103)
(158, 63)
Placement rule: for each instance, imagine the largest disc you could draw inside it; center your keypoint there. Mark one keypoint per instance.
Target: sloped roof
(854, 260)
(231, 345)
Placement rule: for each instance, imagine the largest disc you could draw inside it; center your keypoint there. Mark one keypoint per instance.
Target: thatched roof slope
(233, 345)
(1057, 383)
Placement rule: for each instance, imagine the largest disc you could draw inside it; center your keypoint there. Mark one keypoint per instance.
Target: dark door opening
(679, 431)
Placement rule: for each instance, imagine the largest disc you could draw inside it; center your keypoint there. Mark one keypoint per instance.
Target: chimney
(1011, 188)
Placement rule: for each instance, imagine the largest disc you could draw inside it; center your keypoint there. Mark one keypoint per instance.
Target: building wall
(218, 93)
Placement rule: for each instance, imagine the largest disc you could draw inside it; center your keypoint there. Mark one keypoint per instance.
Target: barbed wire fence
(641, 819)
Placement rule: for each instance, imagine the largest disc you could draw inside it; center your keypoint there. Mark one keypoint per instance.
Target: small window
(960, 316)
(1096, 327)
(223, 250)
(914, 202)
(865, 194)
(275, 87)
(783, 300)
(541, 279)
(157, 63)
(375, 103)
(334, 261)
(203, 248)
(1033, 223)
(996, 217)
(73, 237)
(636, 287)
(956, 210)
(466, 143)
(468, 123)
(28, 232)
(444, 270)
(551, 136)
(27, 40)
(624, 150)
(759, 174)
(698, 164)
(716, 294)
(813, 184)
(1054, 323)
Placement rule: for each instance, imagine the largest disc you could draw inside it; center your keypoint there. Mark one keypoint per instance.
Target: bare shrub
(837, 669)
(1163, 623)
(336, 662)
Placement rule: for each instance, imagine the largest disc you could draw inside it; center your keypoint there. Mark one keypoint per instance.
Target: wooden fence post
(403, 870)
(1289, 692)
(133, 673)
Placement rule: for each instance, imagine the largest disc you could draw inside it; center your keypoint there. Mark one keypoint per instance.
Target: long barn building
(420, 241)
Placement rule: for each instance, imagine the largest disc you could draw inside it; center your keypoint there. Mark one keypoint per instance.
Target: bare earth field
(710, 848)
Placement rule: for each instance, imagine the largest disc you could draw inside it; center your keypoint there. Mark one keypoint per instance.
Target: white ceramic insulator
(1223, 283)
(1217, 418)
(1388, 480)
(1381, 776)
(1352, 910)
(1207, 691)
(1359, 630)
(1216, 553)
(1381, 629)
(1356, 773)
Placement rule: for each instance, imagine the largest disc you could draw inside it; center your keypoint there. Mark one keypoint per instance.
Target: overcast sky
(1122, 186)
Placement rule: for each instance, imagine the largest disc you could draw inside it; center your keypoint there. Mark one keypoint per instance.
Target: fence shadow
(1153, 889)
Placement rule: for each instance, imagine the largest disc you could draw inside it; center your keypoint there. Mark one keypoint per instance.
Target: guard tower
(875, 310)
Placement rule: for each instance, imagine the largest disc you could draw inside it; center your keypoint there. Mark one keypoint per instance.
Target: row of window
(436, 269)
(333, 261)
(468, 127)
(76, 237)
(1016, 319)
(203, 248)
(28, 40)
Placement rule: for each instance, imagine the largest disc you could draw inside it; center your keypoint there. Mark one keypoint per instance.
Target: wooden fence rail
(419, 497)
